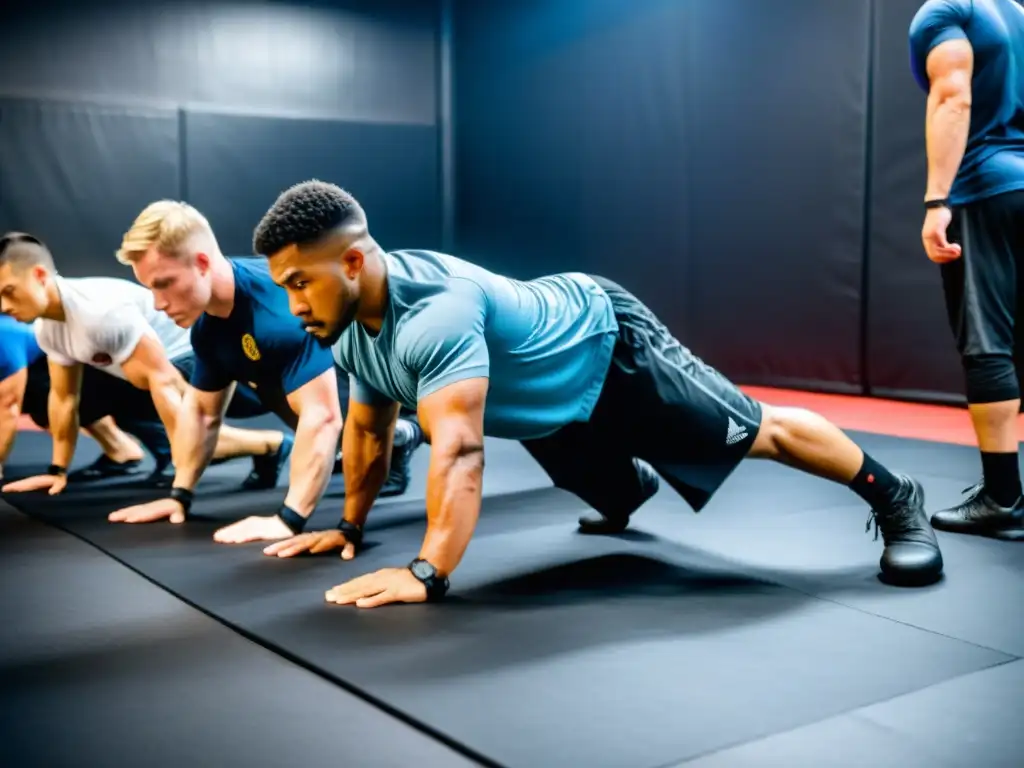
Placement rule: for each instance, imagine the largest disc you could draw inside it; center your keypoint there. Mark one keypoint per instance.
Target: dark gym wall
(107, 105)
(910, 350)
(752, 170)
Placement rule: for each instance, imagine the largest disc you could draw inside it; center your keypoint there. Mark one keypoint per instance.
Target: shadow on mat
(568, 609)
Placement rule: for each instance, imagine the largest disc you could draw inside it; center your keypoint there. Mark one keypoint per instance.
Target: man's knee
(771, 434)
(990, 378)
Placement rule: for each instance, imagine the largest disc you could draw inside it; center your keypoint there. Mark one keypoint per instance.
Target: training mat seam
(847, 713)
(404, 717)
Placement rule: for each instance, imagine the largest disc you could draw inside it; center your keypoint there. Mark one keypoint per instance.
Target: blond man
(109, 325)
(245, 341)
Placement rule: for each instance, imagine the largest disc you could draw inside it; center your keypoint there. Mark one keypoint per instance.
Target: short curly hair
(303, 214)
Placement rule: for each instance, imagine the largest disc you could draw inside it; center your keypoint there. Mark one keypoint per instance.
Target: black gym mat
(100, 668)
(690, 635)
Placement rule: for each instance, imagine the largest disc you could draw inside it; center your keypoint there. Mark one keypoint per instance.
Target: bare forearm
(195, 439)
(168, 401)
(366, 459)
(316, 443)
(9, 415)
(947, 127)
(63, 416)
(454, 488)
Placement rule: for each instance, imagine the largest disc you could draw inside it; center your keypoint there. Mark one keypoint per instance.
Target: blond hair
(166, 225)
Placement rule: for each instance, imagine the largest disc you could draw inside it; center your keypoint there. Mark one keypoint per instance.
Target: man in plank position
(242, 331)
(111, 325)
(25, 388)
(596, 388)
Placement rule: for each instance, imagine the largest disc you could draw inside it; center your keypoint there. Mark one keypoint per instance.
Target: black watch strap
(353, 533)
(184, 497)
(937, 203)
(296, 523)
(56, 469)
(437, 587)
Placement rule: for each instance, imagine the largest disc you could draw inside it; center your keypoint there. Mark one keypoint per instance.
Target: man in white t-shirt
(113, 326)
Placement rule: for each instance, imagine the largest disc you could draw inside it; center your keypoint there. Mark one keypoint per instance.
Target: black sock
(875, 484)
(1002, 477)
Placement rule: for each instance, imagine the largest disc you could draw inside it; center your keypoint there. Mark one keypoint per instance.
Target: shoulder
(252, 275)
(452, 302)
(935, 16)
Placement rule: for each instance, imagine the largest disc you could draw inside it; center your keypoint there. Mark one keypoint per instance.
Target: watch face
(421, 569)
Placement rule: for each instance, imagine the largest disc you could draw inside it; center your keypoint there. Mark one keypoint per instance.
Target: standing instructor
(968, 55)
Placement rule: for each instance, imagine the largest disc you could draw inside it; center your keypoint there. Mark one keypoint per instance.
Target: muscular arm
(148, 368)
(950, 66)
(198, 426)
(453, 419)
(366, 455)
(62, 410)
(316, 441)
(12, 392)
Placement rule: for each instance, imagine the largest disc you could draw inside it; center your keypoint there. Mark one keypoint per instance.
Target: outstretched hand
(390, 585)
(315, 543)
(255, 528)
(54, 484)
(150, 512)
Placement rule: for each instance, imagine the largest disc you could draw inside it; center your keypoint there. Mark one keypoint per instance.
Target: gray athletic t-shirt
(545, 345)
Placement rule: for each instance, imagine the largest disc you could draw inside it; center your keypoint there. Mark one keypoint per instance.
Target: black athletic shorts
(983, 288)
(101, 395)
(660, 403)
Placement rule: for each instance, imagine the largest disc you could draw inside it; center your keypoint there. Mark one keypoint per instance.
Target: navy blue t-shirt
(261, 342)
(18, 346)
(993, 162)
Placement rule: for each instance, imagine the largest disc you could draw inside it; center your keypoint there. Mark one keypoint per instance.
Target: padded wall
(910, 349)
(108, 105)
(75, 173)
(236, 165)
(777, 176)
(710, 156)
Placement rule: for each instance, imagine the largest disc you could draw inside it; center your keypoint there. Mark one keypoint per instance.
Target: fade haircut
(167, 225)
(21, 250)
(305, 213)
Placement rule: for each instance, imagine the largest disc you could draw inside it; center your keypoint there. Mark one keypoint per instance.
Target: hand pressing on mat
(390, 585)
(314, 543)
(54, 484)
(268, 528)
(151, 512)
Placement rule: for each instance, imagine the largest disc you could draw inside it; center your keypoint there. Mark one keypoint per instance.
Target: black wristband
(937, 203)
(295, 522)
(56, 469)
(353, 533)
(184, 497)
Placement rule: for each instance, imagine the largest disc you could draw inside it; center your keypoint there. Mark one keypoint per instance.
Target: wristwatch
(436, 586)
(937, 203)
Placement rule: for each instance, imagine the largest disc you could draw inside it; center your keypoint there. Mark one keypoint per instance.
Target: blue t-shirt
(260, 342)
(18, 346)
(994, 159)
(545, 345)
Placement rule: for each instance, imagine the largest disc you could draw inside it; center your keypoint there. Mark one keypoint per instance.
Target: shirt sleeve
(444, 342)
(363, 393)
(118, 333)
(936, 22)
(208, 375)
(16, 343)
(304, 364)
(53, 354)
